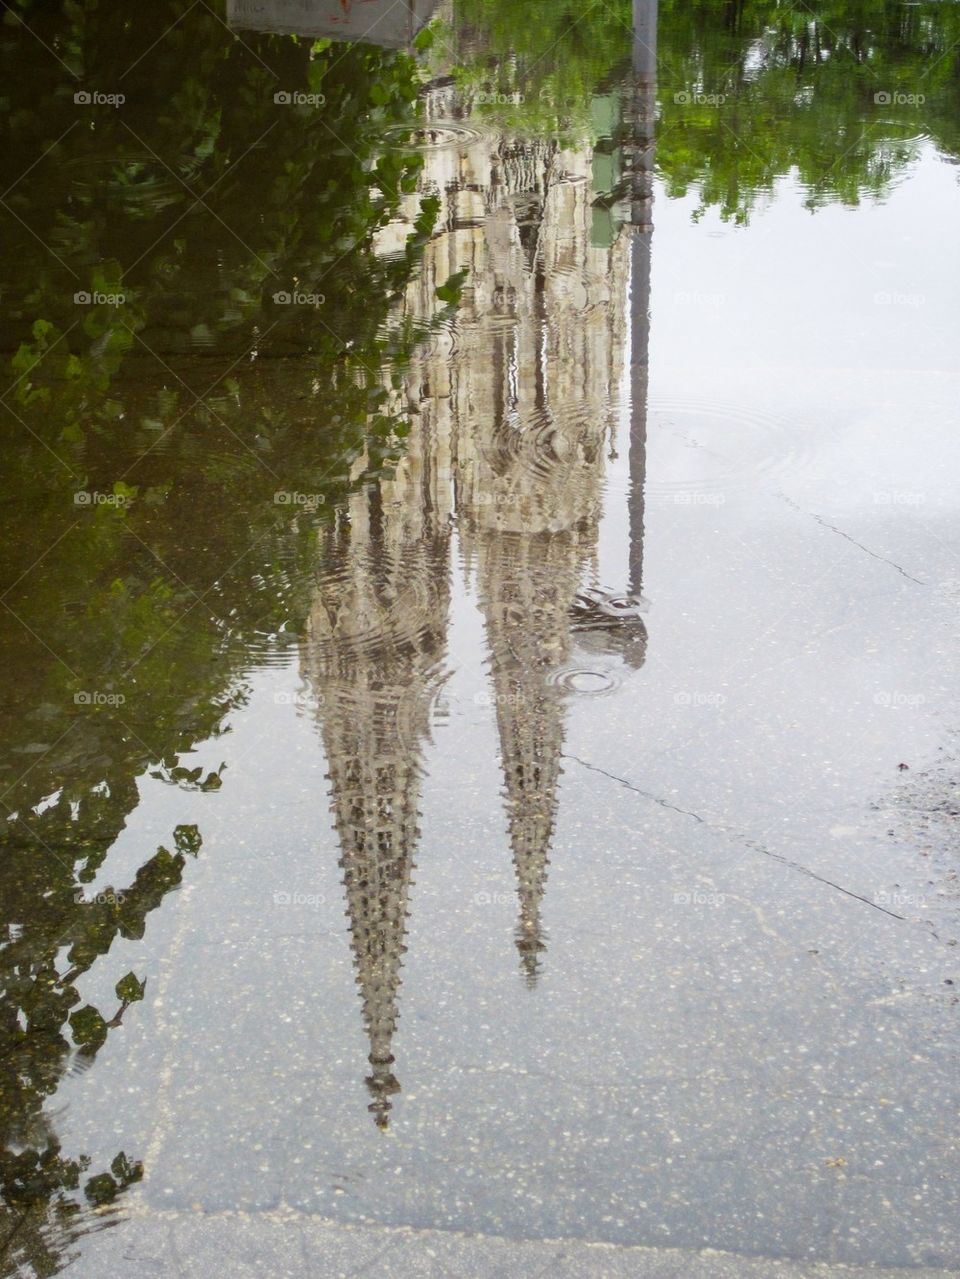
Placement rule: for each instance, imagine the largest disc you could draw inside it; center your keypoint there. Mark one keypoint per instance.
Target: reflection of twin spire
(529, 470)
(375, 638)
(512, 416)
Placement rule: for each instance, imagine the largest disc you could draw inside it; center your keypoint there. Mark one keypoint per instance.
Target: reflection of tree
(40, 1006)
(142, 582)
(154, 598)
(147, 586)
(542, 72)
(798, 83)
(799, 86)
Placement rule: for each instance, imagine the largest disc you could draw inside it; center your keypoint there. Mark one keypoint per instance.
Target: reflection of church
(374, 644)
(512, 412)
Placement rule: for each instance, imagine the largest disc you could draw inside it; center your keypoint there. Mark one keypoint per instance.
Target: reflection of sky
(797, 289)
(803, 376)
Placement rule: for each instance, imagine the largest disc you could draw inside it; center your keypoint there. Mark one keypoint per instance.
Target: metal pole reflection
(641, 121)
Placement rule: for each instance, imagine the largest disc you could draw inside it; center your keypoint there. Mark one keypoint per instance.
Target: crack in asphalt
(746, 840)
(852, 540)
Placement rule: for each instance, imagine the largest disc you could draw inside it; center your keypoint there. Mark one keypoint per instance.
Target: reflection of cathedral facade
(512, 419)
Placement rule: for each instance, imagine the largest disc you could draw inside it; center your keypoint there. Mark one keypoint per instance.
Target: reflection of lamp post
(639, 149)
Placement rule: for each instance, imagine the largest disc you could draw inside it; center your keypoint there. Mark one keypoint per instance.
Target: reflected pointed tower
(500, 196)
(540, 359)
(525, 586)
(373, 656)
(537, 540)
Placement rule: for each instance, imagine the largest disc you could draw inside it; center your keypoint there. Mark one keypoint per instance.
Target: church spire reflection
(513, 415)
(373, 654)
(529, 473)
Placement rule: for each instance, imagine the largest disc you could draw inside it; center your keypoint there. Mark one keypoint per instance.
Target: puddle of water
(480, 750)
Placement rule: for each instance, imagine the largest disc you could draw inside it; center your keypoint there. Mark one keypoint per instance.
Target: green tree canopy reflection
(195, 331)
(748, 91)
